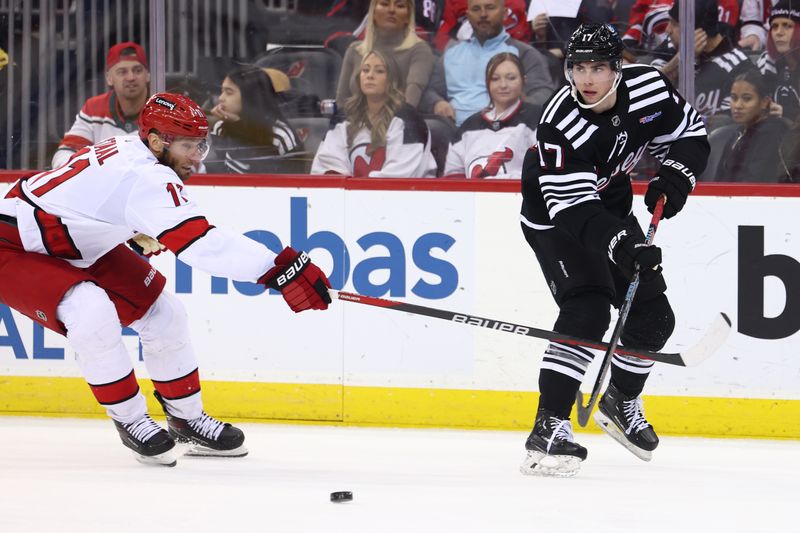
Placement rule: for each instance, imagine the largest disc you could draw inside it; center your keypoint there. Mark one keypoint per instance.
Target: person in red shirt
(115, 112)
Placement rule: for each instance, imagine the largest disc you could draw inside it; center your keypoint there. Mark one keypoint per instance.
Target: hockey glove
(628, 250)
(675, 181)
(301, 282)
(146, 246)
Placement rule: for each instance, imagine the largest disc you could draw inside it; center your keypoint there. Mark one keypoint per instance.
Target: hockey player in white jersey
(577, 217)
(64, 265)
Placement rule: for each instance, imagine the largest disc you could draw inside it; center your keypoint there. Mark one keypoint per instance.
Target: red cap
(127, 51)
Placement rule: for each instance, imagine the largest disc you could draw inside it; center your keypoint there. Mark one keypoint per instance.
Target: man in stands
(64, 265)
(457, 88)
(115, 112)
(718, 59)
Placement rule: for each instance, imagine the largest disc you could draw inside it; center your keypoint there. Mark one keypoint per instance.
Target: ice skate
(552, 451)
(622, 417)
(150, 442)
(205, 435)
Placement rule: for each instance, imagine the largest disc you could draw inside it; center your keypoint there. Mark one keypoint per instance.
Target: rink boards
(456, 246)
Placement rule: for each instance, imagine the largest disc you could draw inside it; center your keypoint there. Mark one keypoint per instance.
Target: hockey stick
(585, 410)
(695, 355)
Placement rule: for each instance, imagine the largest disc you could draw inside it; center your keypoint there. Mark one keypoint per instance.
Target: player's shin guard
(551, 448)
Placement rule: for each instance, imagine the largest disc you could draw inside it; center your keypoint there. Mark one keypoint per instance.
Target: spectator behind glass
(647, 26)
(752, 154)
(382, 136)
(457, 89)
(718, 60)
(492, 143)
(779, 62)
(115, 112)
(252, 135)
(391, 29)
(753, 32)
(552, 33)
(455, 23)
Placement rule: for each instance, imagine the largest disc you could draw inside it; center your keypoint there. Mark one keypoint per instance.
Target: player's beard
(167, 159)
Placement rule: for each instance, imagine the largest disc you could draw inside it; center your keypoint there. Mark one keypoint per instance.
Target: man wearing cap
(115, 112)
(718, 60)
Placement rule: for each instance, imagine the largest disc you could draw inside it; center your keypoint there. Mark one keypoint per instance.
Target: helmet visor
(194, 148)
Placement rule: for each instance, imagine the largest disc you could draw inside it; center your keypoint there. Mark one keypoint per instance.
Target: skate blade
(608, 425)
(198, 450)
(541, 464)
(168, 458)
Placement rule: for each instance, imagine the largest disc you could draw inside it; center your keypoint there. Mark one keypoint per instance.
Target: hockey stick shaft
(502, 326)
(585, 410)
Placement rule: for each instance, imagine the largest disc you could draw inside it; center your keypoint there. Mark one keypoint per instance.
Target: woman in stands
(381, 136)
(391, 29)
(779, 63)
(752, 154)
(252, 135)
(492, 143)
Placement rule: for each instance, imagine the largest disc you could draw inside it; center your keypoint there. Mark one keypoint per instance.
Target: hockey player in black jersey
(577, 217)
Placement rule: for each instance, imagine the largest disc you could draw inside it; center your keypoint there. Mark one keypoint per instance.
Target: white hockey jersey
(407, 153)
(485, 148)
(112, 190)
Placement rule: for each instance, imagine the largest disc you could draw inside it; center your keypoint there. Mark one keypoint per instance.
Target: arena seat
(442, 132)
(313, 71)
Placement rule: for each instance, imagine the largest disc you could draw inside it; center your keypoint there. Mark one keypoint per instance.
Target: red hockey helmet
(172, 115)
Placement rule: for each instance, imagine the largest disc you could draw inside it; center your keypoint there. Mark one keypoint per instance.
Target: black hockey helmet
(595, 42)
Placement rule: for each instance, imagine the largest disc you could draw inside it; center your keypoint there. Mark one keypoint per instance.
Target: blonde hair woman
(391, 29)
(382, 136)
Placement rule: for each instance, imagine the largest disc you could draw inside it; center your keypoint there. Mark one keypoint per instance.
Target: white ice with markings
(70, 475)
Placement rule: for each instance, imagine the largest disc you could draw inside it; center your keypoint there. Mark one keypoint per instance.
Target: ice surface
(65, 475)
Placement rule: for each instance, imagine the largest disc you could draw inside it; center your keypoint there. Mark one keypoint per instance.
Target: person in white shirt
(382, 136)
(492, 143)
(65, 266)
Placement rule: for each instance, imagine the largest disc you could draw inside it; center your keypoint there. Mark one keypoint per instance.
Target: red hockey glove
(301, 282)
(628, 250)
(673, 180)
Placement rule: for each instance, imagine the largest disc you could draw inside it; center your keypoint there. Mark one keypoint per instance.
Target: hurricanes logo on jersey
(494, 163)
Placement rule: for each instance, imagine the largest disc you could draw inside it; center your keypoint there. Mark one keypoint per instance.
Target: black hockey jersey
(714, 76)
(577, 177)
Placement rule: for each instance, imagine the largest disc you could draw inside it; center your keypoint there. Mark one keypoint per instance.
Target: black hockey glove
(628, 250)
(675, 181)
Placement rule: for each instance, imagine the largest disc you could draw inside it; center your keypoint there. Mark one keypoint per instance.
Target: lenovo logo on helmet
(165, 103)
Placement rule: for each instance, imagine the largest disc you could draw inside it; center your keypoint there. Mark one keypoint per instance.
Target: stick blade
(712, 340)
(582, 412)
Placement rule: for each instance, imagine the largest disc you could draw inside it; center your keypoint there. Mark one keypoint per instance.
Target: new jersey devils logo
(364, 164)
(494, 163)
(296, 69)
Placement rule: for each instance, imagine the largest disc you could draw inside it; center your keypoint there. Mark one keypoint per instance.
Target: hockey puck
(341, 496)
